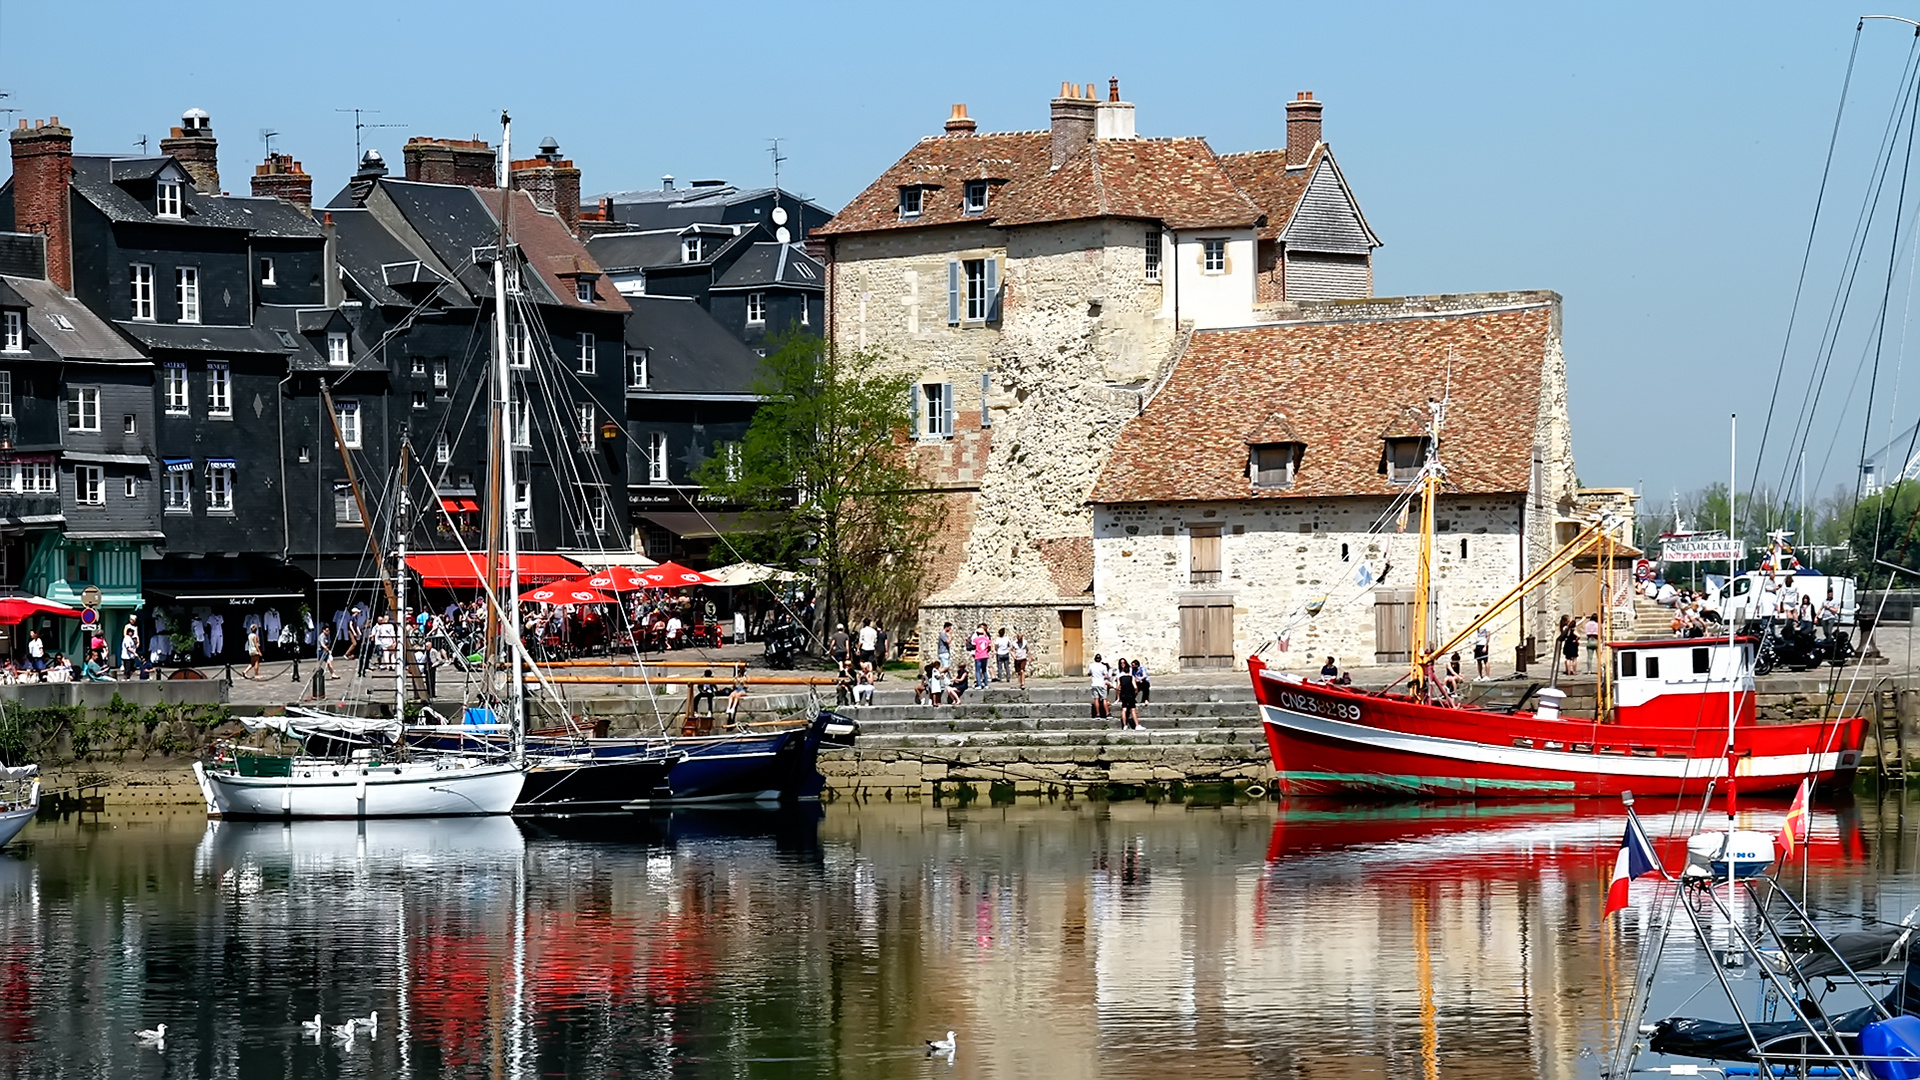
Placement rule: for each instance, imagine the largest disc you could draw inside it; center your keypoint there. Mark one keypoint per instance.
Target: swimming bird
(344, 1032)
(155, 1035)
(943, 1046)
(371, 1021)
(311, 1025)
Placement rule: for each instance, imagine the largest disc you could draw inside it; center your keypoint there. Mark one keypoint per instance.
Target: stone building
(1036, 287)
(1258, 496)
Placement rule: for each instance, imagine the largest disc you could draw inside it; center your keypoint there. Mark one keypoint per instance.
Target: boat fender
(1895, 1038)
(1254, 791)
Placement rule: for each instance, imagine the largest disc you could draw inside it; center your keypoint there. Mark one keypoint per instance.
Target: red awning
(451, 506)
(469, 506)
(457, 570)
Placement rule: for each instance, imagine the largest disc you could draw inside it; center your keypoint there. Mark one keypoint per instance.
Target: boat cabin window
(1653, 667)
(1629, 664)
(1701, 665)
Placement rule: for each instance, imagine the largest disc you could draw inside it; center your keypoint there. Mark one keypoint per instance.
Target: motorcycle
(786, 643)
(1796, 646)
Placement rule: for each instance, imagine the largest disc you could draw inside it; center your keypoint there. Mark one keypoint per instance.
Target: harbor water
(1058, 939)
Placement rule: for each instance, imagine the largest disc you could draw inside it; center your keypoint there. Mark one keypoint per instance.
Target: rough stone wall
(1548, 524)
(1046, 640)
(1276, 557)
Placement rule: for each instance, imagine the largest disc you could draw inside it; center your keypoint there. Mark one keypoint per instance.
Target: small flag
(1793, 831)
(1286, 643)
(1363, 577)
(1402, 524)
(1636, 858)
(1314, 605)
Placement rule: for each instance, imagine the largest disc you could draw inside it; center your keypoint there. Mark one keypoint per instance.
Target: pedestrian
(323, 648)
(129, 648)
(36, 651)
(881, 652)
(863, 685)
(1018, 652)
(1330, 670)
(944, 654)
(1142, 685)
(1003, 657)
(930, 680)
(982, 643)
(1097, 684)
(1124, 684)
(1569, 642)
(838, 645)
(1482, 649)
(253, 651)
(704, 694)
(1591, 631)
(739, 693)
(869, 641)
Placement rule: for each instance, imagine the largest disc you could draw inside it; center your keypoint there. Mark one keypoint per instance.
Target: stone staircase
(1045, 739)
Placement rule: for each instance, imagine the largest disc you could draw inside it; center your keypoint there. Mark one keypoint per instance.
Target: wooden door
(1206, 634)
(1392, 626)
(1073, 659)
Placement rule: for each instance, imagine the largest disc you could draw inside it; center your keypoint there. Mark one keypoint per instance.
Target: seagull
(943, 1046)
(311, 1025)
(371, 1021)
(344, 1032)
(153, 1036)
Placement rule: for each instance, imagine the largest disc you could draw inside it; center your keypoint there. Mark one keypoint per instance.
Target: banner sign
(1715, 549)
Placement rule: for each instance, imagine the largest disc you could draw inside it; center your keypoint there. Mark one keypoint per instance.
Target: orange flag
(1793, 831)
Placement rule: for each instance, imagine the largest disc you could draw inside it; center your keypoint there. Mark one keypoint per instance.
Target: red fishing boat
(1671, 716)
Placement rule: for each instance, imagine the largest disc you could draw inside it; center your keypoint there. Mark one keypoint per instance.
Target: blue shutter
(993, 289)
(953, 292)
(913, 410)
(946, 406)
(986, 387)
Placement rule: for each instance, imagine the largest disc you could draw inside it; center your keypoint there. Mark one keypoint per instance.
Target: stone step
(1242, 740)
(877, 726)
(1080, 709)
(899, 691)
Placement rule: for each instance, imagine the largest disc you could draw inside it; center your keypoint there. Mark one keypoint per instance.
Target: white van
(1735, 605)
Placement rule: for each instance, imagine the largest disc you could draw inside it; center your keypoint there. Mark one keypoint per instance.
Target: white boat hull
(317, 788)
(15, 818)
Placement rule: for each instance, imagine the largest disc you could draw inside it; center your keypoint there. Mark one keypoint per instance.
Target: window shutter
(946, 406)
(986, 387)
(913, 411)
(953, 292)
(993, 290)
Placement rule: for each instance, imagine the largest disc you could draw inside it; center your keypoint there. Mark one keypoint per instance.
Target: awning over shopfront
(601, 559)
(459, 506)
(460, 570)
(696, 526)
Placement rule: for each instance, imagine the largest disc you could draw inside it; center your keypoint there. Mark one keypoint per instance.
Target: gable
(1328, 218)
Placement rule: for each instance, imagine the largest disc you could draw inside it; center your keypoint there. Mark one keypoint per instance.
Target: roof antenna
(781, 232)
(359, 124)
(267, 136)
(8, 111)
(142, 143)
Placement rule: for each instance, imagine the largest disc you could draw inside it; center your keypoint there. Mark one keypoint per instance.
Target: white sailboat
(19, 799)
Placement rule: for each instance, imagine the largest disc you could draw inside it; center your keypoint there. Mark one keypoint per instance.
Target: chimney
(466, 162)
(1114, 118)
(372, 168)
(551, 180)
(282, 177)
(192, 144)
(666, 182)
(960, 123)
(42, 170)
(1073, 121)
(1303, 128)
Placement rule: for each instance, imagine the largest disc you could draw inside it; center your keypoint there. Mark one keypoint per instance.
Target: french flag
(1636, 858)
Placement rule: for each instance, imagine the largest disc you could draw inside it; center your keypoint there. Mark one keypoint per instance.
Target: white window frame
(219, 391)
(656, 457)
(179, 497)
(83, 408)
(936, 410)
(133, 487)
(37, 477)
(585, 418)
(339, 354)
(522, 504)
(520, 346)
(1213, 256)
(1153, 254)
(598, 509)
(186, 292)
(173, 383)
(6, 395)
(419, 365)
(14, 338)
(978, 301)
(219, 490)
(266, 272)
(128, 425)
(639, 369)
(439, 374)
(805, 318)
(756, 309)
(346, 508)
(442, 448)
(588, 361)
(140, 281)
(520, 424)
(419, 399)
(690, 249)
(583, 290)
(347, 413)
(167, 199)
(89, 485)
(975, 205)
(913, 200)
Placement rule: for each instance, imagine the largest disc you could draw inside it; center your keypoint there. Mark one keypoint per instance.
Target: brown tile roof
(942, 164)
(1262, 176)
(554, 253)
(1178, 181)
(1340, 385)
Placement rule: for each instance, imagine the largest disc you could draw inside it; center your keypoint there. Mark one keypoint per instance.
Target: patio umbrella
(565, 592)
(671, 575)
(614, 579)
(13, 609)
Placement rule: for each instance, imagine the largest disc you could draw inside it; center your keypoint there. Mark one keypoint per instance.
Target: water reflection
(1129, 939)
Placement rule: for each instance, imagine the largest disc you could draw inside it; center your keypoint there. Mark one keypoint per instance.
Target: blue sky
(1656, 164)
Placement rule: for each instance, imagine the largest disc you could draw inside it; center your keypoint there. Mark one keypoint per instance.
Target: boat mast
(507, 497)
(359, 498)
(402, 521)
(1423, 585)
(1733, 957)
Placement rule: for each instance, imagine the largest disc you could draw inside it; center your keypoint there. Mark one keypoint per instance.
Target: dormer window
(690, 249)
(1403, 458)
(13, 335)
(1274, 465)
(910, 199)
(337, 350)
(583, 290)
(976, 197)
(166, 199)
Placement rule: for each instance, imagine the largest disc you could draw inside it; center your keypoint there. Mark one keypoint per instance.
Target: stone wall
(1277, 557)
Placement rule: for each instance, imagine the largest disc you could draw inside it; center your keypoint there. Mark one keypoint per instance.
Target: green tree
(825, 461)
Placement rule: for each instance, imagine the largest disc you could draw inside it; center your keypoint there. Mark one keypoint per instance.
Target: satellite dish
(780, 216)
(781, 234)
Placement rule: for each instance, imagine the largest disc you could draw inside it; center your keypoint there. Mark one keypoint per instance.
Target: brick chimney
(42, 171)
(282, 177)
(1073, 117)
(552, 182)
(192, 144)
(372, 168)
(960, 123)
(467, 162)
(1303, 128)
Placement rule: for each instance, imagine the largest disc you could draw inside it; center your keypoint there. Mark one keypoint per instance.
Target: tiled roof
(1341, 384)
(553, 252)
(1262, 176)
(942, 164)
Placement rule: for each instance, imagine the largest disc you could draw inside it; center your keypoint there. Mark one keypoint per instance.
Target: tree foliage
(825, 462)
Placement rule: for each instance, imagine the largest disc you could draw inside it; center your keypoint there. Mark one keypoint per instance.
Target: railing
(16, 505)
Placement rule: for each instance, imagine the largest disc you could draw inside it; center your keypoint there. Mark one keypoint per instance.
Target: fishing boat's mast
(1733, 956)
(509, 501)
(402, 522)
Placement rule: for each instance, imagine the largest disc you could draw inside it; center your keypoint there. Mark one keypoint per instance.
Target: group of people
(1125, 681)
(1007, 652)
(1578, 633)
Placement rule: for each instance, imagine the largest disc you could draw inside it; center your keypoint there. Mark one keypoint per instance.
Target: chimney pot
(53, 121)
(1113, 89)
(959, 123)
(1073, 121)
(1303, 129)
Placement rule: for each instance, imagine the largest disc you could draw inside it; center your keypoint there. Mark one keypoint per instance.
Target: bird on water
(942, 1046)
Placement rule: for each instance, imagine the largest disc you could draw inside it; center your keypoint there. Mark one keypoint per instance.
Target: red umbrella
(671, 575)
(13, 609)
(565, 592)
(615, 579)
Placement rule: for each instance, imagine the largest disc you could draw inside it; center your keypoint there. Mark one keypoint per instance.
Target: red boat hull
(1333, 740)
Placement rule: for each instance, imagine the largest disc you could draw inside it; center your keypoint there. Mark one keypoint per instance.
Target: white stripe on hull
(328, 790)
(1551, 761)
(12, 821)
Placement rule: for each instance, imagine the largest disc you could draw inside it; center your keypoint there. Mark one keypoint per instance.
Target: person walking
(1003, 657)
(1142, 685)
(944, 653)
(253, 651)
(1018, 651)
(129, 648)
(982, 643)
(1126, 687)
(1482, 649)
(323, 648)
(36, 651)
(1569, 640)
(869, 642)
(1097, 679)
(1590, 630)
